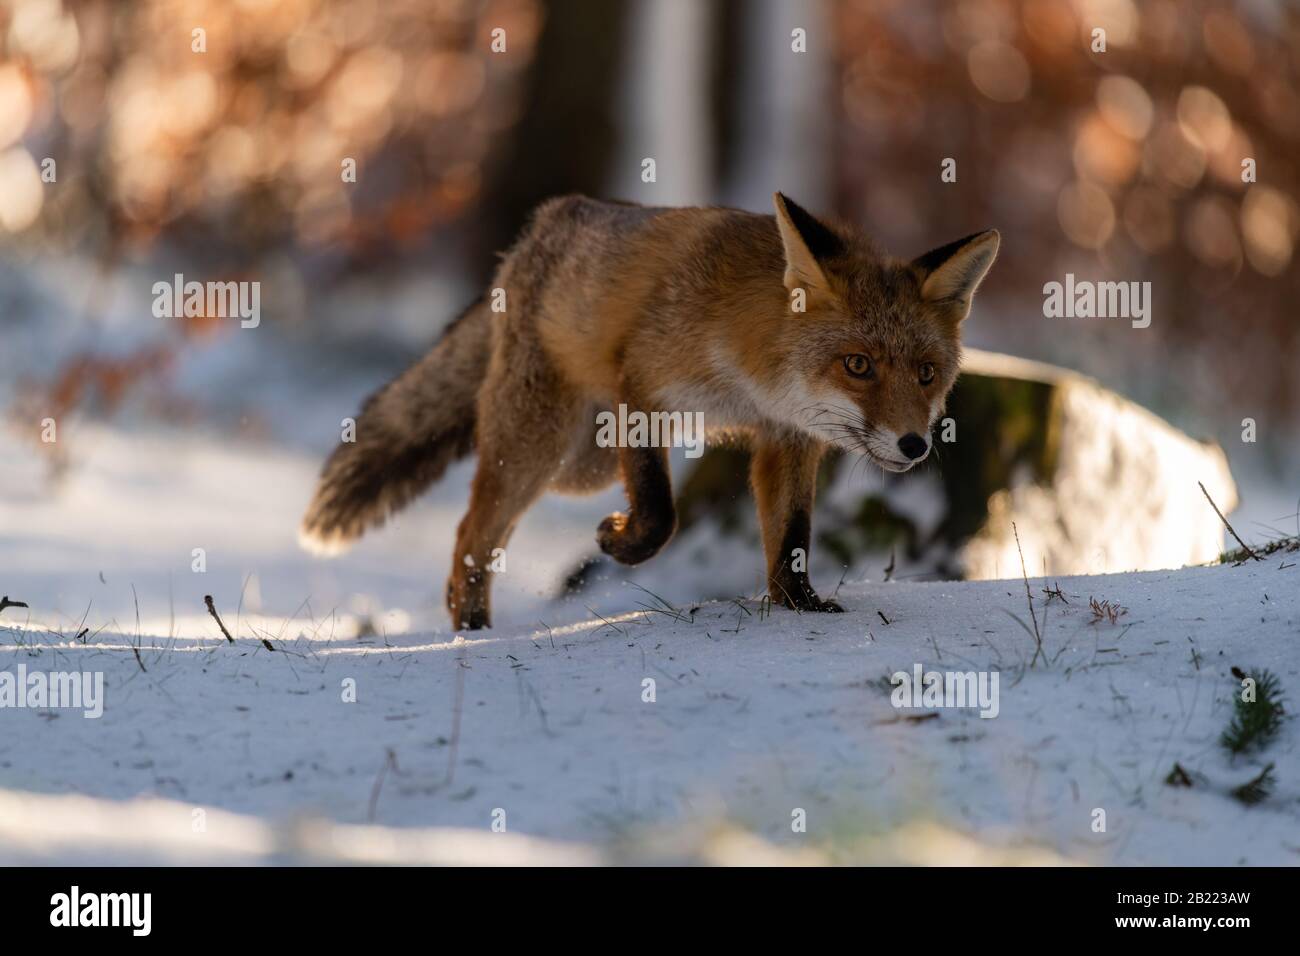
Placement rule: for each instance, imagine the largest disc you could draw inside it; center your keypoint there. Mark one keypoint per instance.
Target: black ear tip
(822, 241)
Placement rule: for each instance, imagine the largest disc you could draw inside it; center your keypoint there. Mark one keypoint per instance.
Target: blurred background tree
(214, 136)
(1123, 164)
(223, 128)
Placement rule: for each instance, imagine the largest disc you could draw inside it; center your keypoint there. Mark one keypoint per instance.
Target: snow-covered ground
(755, 716)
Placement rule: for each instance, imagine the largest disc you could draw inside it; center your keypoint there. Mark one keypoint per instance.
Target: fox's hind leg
(526, 421)
(784, 475)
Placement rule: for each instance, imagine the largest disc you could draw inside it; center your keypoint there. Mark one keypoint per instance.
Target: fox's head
(877, 346)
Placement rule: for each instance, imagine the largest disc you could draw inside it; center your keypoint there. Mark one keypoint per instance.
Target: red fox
(794, 333)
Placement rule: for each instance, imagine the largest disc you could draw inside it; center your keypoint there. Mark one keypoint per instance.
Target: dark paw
(798, 595)
(629, 542)
(474, 619)
(469, 613)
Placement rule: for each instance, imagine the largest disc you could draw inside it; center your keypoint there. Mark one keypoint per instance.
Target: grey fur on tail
(407, 434)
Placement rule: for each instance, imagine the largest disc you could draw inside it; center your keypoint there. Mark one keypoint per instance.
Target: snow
(755, 715)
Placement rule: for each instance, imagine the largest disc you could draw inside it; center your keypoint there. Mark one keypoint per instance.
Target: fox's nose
(913, 446)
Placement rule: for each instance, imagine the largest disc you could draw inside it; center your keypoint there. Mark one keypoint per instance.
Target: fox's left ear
(951, 274)
(808, 242)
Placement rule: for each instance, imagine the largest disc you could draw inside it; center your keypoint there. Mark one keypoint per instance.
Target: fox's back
(602, 277)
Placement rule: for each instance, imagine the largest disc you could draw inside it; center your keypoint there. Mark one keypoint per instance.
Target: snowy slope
(755, 715)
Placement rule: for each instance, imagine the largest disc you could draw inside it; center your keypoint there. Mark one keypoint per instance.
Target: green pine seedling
(1254, 723)
(1256, 790)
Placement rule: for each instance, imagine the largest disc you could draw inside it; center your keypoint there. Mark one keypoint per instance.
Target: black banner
(305, 904)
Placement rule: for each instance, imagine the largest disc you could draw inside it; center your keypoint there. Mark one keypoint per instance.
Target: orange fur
(676, 310)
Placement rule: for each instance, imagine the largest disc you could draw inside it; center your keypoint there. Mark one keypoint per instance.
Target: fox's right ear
(806, 240)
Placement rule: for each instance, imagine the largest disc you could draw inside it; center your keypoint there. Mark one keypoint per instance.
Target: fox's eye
(858, 365)
(927, 373)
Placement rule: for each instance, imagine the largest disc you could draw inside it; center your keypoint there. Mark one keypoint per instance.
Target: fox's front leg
(651, 520)
(784, 475)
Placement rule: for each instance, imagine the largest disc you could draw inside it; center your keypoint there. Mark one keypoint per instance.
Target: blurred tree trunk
(566, 138)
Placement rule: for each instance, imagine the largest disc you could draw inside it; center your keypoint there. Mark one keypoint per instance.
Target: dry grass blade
(1105, 611)
(212, 609)
(1029, 598)
(1244, 546)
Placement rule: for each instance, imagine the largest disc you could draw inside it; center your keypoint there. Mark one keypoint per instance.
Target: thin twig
(1038, 637)
(212, 609)
(389, 761)
(1245, 547)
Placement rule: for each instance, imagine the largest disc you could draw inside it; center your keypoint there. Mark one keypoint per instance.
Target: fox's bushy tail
(407, 434)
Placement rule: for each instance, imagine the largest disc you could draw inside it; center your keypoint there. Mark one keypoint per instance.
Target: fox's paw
(814, 604)
(468, 609)
(473, 619)
(629, 541)
(801, 597)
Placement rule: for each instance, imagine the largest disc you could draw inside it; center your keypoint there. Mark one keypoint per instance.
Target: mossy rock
(1092, 483)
